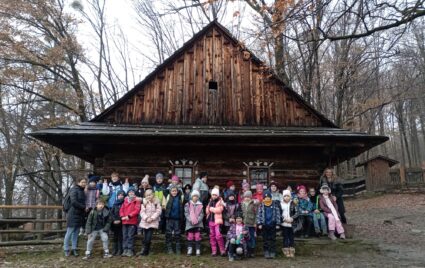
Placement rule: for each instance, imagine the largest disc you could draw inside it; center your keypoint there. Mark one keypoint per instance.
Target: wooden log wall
(247, 94)
(305, 169)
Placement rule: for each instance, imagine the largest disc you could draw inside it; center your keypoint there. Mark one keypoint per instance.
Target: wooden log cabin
(212, 106)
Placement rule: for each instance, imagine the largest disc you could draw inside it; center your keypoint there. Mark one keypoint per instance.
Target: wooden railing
(31, 224)
(354, 187)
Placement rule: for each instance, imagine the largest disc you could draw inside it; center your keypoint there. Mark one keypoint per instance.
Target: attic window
(213, 85)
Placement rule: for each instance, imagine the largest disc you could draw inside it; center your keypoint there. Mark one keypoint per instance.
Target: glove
(277, 227)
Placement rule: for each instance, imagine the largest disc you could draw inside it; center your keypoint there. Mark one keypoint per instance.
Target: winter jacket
(160, 191)
(140, 192)
(305, 205)
(274, 209)
(216, 211)
(170, 210)
(112, 189)
(189, 224)
(91, 196)
(249, 211)
(293, 213)
(324, 206)
(230, 210)
(337, 190)
(115, 212)
(231, 234)
(150, 210)
(76, 213)
(130, 209)
(277, 196)
(258, 196)
(93, 218)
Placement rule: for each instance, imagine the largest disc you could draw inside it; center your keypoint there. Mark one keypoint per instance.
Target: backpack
(66, 205)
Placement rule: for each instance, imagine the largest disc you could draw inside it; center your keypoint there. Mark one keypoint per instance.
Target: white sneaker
(198, 252)
(189, 251)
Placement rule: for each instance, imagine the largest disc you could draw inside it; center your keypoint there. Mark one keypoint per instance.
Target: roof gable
(273, 103)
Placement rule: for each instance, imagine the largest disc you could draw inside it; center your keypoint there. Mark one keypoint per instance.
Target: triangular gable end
(182, 89)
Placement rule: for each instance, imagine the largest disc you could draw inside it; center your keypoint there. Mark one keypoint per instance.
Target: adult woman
(330, 178)
(75, 217)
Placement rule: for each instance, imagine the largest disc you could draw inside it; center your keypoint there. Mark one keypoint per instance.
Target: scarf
(331, 207)
(286, 209)
(116, 183)
(268, 203)
(194, 212)
(118, 202)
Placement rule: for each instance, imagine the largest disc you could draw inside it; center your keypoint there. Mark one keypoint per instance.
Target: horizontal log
(30, 220)
(29, 207)
(16, 231)
(30, 242)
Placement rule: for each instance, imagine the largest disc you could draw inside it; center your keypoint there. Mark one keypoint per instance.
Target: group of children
(231, 219)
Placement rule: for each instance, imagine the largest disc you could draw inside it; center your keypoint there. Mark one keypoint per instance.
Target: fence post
(402, 175)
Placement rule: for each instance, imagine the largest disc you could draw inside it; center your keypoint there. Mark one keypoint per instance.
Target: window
(185, 174)
(213, 85)
(258, 175)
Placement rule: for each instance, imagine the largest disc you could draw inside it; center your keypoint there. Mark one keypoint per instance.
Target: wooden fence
(407, 178)
(354, 186)
(31, 225)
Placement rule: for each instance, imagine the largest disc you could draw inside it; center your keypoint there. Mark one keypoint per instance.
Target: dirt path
(389, 232)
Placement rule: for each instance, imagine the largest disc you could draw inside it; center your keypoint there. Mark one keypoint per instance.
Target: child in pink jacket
(150, 214)
(214, 213)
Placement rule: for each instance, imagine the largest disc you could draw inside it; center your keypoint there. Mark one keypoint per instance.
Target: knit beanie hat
(120, 192)
(146, 179)
(131, 189)
(267, 194)
(325, 186)
(175, 178)
(230, 193)
(247, 194)
(300, 187)
(159, 175)
(229, 184)
(93, 178)
(286, 193)
(194, 192)
(215, 191)
(245, 186)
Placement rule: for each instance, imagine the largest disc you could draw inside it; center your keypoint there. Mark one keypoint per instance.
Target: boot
(189, 248)
(291, 252)
(266, 254)
(342, 236)
(285, 252)
(146, 249)
(87, 256)
(124, 253)
(115, 249)
(178, 248)
(169, 248)
(251, 253)
(67, 253)
(130, 253)
(272, 255)
(106, 255)
(198, 248)
(75, 253)
(332, 235)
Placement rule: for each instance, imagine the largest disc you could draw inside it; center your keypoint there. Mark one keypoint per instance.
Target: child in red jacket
(129, 212)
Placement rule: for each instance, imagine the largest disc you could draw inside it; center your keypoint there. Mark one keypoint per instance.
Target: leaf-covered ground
(389, 232)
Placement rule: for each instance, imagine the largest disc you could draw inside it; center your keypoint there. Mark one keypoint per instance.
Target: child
(128, 212)
(92, 194)
(215, 220)
(274, 190)
(245, 187)
(117, 225)
(236, 238)
(187, 190)
(150, 214)
(317, 214)
(305, 208)
(110, 190)
(231, 207)
(249, 212)
(174, 215)
(175, 182)
(330, 209)
(230, 189)
(144, 185)
(258, 196)
(289, 215)
(160, 192)
(268, 220)
(98, 223)
(194, 215)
